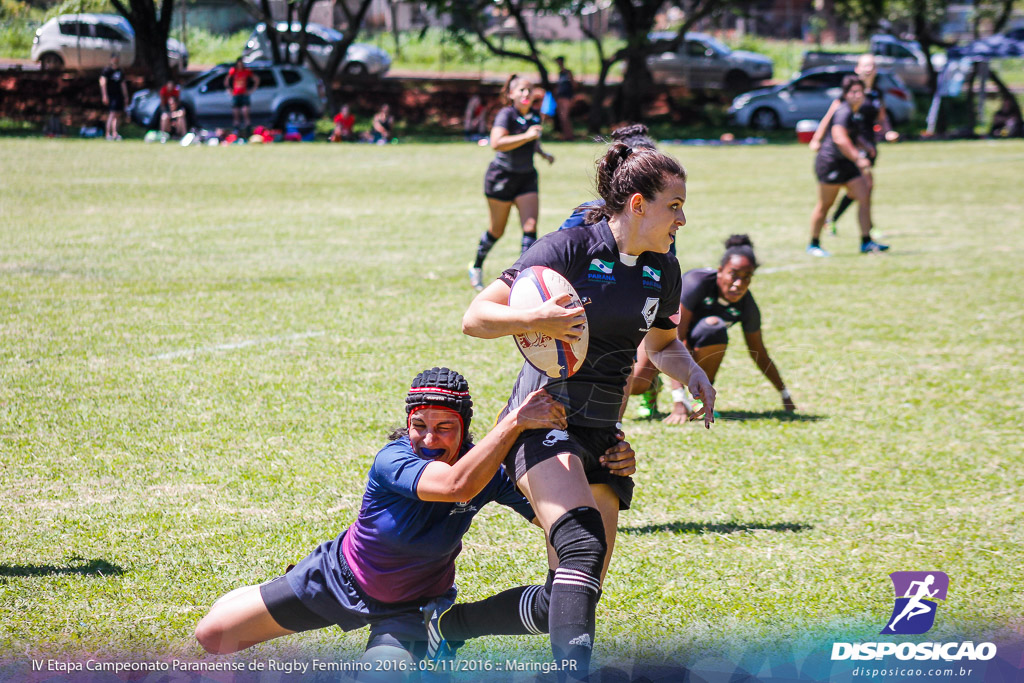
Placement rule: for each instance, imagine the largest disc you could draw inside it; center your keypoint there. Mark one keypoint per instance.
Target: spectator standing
(238, 80)
(564, 91)
(115, 94)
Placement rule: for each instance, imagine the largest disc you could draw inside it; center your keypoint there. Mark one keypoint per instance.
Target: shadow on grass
(76, 565)
(780, 415)
(713, 528)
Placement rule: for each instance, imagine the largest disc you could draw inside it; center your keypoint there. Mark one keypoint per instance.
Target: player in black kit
(843, 160)
(511, 177)
(873, 111)
(712, 300)
(620, 266)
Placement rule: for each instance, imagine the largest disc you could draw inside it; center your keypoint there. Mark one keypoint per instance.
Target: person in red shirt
(238, 80)
(344, 122)
(171, 114)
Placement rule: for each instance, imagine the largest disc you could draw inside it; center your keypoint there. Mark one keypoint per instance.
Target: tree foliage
(151, 22)
(297, 12)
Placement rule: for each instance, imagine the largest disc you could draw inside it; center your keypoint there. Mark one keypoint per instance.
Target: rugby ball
(556, 359)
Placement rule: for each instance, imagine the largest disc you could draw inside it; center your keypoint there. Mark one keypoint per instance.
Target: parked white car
(360, 60)
(86, 41)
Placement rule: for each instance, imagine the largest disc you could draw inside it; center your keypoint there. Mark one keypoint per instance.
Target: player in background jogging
(511, 179)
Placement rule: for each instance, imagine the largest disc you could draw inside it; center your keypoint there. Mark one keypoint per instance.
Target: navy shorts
(588, 443)
(240, 101)
(835, 173)
(321, 590)
(116, 104)
(706, 333)
(505, 186)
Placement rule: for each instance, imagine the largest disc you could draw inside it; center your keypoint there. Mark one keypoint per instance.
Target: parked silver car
(705, 62)
(809, 95)
(360, 60)
(86, 41)
(286, 93)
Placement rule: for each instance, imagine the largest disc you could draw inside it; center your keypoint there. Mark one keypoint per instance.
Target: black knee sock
(519, 611)
(486, 242)
(844, 204)
(578, 540)
(528, 239)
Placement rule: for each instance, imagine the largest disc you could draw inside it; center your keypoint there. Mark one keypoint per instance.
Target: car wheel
(51, 62)
(292, 114)
(764, 119)
(357, 69)
(737, 81)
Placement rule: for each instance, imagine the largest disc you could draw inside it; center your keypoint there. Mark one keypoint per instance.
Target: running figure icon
(917, 594)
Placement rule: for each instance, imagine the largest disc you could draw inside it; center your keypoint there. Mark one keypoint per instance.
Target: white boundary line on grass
(235, 345)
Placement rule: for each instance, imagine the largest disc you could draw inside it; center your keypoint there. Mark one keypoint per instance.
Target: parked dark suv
(285, 93)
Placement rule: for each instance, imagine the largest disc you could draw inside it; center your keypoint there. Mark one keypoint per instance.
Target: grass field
(201, 350)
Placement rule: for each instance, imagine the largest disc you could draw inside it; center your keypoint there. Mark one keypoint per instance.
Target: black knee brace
(578, 540)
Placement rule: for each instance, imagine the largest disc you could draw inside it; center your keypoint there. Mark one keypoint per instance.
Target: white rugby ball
(556, 359)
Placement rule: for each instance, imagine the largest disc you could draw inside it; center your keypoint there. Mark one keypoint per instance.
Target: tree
(638, 17)
(152, 25)
(470, 17)
(298, 12)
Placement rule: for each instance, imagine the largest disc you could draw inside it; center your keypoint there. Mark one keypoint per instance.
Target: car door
(211, 101)
(700, 64)
(706, 70)
(75, 44)
(110, 39)
(810, 97)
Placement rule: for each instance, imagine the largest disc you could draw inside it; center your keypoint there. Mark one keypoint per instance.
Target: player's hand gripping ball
(556, 359)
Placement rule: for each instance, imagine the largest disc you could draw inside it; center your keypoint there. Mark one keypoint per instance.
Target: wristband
(785, 394)
(679, 396)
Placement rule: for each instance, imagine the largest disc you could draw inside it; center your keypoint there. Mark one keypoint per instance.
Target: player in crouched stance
(424, 488)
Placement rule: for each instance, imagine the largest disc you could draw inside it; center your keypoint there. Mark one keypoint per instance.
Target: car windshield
(326, 32)
(195, 81)
(716, 45)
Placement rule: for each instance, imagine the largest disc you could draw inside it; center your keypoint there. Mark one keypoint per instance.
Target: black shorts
(835, 172)
(505, 186)
(705, 333)
(587, 443)
(116, 104)
(321, 591)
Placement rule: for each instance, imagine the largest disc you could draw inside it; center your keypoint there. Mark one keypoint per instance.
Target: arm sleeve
(692, 291)
(842, 117)
(671, 289)
(398, 469)
(555, 250)
(751, 316)
(509, 496)
(504, 119)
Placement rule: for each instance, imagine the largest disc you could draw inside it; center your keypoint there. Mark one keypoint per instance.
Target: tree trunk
(637, 87)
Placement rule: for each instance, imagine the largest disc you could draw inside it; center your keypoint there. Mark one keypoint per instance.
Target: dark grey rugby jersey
(702, 298)
(520, 159)
(622, 303)
(852, 121)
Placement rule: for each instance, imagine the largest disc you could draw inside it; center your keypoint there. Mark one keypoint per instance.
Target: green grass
(201, 349)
